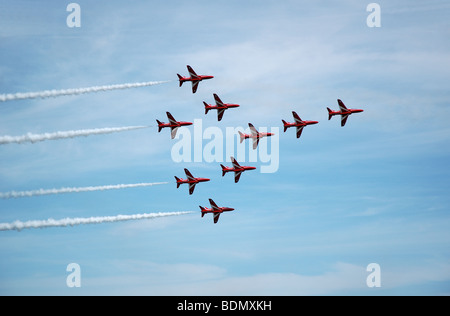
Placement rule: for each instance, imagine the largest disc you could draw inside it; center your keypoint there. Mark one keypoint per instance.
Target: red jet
(298, 123)
(173, 124)
(215, 210)
(191, 180)
(220, 107)
(194, 78)
(255, 135)
(237, 169)
(344, 112)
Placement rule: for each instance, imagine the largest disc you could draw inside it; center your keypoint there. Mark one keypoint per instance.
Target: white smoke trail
(33, 138)
(57, 93)
(19, 225)
(20, 194)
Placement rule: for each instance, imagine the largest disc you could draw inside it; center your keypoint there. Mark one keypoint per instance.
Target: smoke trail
(33, 138)
(57, 93)
(19, 225)
(20, 194)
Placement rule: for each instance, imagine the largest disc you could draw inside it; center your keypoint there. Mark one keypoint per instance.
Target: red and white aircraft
(194, 78)
(191, 180)
(343, 111)
(215, 210)
(173, 124)
(299, 124)
(237, 169)
(255, 135)
(220, 107)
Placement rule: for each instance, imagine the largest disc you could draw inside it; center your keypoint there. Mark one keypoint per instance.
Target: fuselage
(220, 107)
(238, 169)
(177, 124)
(198, 78)
(345, 112)
(299, 124)
(195, 180)
(256, 136)
(206, 210)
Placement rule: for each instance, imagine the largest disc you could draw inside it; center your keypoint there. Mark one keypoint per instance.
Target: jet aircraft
(194, 78)
(173, 124)
(237, 169)
(343, 111)
(255, 135)
(215, 210)
(191, 180)
(220, 107)
(299, 124)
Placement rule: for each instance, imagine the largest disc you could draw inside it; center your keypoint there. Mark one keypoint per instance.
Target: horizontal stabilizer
(207, 108)
(159, 126)
(202, 209)
(285, 125)
(223, 170)
(181, 79)
(178, 181)
(330, 113)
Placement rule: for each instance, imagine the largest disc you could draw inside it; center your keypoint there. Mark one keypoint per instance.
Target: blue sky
(342, 198)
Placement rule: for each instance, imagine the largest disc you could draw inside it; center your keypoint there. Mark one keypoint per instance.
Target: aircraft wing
(172, 120)
(253, 129)
(299, 131)
(344, 119)
(192, 72)
(194, 86)
(173, 132)
(235, 163)
(188, 174)
(296, 117)
(255, 142)
(220, 113)
(216, 217)
(342, 105)
(214, 206)
(217, 99)
(237, 176)
(191, 187)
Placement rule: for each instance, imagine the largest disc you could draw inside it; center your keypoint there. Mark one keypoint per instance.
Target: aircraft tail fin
(285, 125)
(159, 125)
(329, 113)
(180, 78)
(178, 181)
(242, 137)
(202, 209)
(206, 107)
(223, 170)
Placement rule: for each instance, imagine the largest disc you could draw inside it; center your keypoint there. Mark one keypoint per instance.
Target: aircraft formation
(254, 135)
